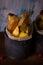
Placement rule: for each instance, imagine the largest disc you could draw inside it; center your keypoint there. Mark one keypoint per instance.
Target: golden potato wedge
(22, 35)
(16, 32)
(12, 22)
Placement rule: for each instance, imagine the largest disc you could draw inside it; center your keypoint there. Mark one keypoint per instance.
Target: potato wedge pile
(39, 21)
(19, 27)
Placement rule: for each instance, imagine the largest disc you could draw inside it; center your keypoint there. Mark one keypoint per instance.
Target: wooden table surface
(31, 60)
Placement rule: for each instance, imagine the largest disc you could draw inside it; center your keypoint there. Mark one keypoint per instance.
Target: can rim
(17, 38)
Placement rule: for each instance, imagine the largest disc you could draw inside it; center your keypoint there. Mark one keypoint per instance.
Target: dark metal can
(38, 39)
(18, 49)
